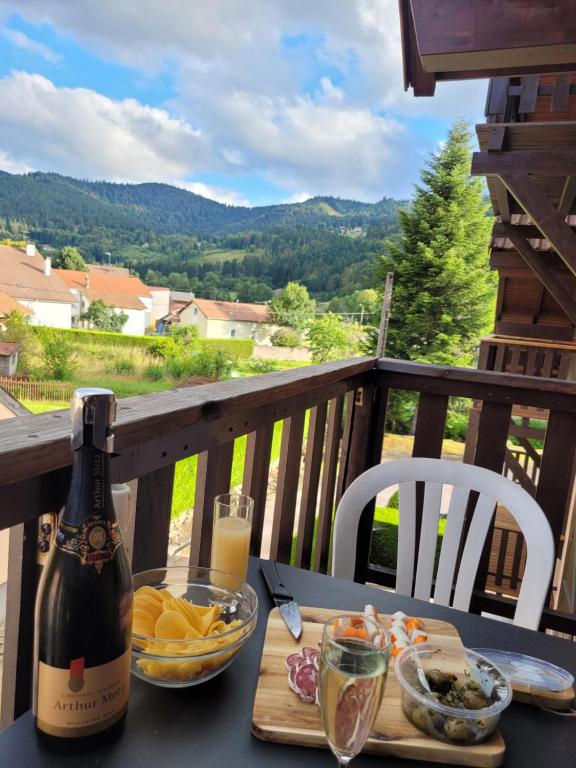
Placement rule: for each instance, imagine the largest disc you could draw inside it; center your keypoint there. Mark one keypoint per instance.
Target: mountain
(49, 201)
(173, 237)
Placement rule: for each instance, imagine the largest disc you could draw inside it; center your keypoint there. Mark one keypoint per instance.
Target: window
(233, 333)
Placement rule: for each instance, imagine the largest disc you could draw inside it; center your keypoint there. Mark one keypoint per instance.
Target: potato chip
(148, 604)
(149, 592)
(171, 625)
(209, 618)
(142, 622)
(163, 617)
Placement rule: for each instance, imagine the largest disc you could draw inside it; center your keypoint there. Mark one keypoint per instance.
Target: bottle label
(94, 542)
(80, 701)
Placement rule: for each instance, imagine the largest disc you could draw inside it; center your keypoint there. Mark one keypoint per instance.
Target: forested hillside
(171, 236)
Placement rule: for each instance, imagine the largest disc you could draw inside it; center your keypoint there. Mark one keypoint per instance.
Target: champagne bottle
(84, 604)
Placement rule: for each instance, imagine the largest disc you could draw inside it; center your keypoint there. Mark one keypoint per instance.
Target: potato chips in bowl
(188, 624)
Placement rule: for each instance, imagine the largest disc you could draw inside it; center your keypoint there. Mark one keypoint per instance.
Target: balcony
(333, 418)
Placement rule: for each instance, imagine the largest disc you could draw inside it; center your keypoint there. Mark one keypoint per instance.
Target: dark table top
(208, 726)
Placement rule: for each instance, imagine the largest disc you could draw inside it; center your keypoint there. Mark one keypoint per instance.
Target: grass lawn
(39, 406)
(185, 475)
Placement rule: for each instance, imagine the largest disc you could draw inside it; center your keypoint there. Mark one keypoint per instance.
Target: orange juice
(230, 548)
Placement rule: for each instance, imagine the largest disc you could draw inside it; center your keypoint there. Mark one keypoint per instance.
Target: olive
(457, 730)
(439, 681)
(474, 700)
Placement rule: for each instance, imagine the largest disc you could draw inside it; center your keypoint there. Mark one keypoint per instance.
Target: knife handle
(273, 580)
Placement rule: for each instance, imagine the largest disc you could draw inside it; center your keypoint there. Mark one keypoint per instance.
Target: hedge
(238, 348)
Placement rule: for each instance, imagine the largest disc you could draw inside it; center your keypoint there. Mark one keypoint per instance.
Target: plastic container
(181, 663)
(470, 672)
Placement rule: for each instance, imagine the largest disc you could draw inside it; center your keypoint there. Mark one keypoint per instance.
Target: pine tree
(444, 292)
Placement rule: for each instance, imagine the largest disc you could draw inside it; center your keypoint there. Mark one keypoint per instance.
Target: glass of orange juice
(231, 537)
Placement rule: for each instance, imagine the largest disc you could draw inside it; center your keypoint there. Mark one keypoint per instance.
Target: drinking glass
(353, 667)
(231, 537)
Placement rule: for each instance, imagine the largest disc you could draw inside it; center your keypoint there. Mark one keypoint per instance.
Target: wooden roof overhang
(467, 39)
(531, 176)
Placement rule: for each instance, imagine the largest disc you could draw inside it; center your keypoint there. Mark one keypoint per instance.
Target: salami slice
(303, 673)
(306, 680)
(293, 660)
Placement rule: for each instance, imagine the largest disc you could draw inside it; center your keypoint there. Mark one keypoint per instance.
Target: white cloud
(298, 197)
(241, 94)
(227, 196)
(10, 165)
(21, 40)
(80, 132)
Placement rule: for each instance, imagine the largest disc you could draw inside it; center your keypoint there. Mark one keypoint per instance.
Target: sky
(248, 102)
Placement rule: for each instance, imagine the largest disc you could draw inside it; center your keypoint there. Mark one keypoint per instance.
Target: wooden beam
(457, 35)
(496, 137)
(568, 195)
(561, 93)
(532, 198)
(503, 201)
(540, 267)
(529, 231)
(529, 94)
(538, 162)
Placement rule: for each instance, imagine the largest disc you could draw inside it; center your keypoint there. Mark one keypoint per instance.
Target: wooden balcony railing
(346, 404)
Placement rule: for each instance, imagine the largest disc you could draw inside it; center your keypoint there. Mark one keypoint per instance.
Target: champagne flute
(353, 666)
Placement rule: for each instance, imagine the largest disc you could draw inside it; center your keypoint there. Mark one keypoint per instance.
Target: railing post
(287, 488)
(23, 573)
(213, 478)
(152, 524)
(365, 451)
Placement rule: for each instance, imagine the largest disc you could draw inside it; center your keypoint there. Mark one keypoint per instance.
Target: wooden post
(152, 522)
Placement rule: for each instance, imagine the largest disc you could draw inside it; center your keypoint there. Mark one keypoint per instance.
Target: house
(228, 320)
(8, 357)
(8, 304)
(160, 301)
(112, 285)
(28, 279)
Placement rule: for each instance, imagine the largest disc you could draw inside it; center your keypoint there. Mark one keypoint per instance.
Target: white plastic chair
(464, 478)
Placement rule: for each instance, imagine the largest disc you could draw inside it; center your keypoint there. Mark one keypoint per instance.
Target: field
(217, 256)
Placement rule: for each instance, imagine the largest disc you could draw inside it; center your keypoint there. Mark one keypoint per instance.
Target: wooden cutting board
(280, 715)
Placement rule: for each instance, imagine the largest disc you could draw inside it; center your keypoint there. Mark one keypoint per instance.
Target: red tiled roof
(22, 277)
(232, 310)
(8, 304)
(8, 348)
(116, 290)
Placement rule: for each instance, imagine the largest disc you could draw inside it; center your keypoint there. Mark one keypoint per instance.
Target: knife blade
(285, 602)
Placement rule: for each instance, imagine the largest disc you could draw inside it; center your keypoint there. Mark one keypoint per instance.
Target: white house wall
(160, 304)
(191, 315)
(54, 314)
(136, 323)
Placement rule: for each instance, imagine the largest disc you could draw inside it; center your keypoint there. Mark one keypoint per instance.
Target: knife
(287, 606)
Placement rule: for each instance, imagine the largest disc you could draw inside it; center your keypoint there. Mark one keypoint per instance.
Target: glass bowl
(177, 657)
(466, 676)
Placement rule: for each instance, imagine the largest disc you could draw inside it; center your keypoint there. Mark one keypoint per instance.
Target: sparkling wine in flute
(352, 676)
(84, 604)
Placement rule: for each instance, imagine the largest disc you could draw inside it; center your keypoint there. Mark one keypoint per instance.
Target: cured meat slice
(293, 660)
(303, 673)
(306, 680)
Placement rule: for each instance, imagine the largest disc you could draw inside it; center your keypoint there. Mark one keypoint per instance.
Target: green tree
(328, 338)
(363, 306)
(70, 258)
(58, 357)
(444, 291)
(103, 317)
(16, 328)
(286, 337)
(293, 307)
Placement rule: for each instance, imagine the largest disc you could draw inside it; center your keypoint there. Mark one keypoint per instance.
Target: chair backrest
(464, 478)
